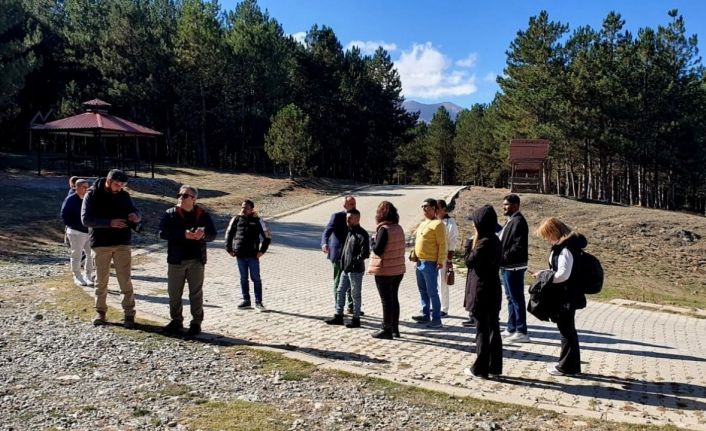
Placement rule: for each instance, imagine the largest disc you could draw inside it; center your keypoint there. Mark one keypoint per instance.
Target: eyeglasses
(185, 195)
(426, 206)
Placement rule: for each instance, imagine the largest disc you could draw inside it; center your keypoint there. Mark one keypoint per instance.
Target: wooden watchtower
(529, 165)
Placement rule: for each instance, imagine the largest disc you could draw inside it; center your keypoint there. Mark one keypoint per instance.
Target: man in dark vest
(109, 213)
(187, 228)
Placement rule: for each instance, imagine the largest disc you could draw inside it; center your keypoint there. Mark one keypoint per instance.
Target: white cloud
(369, 47)
(469, 61)
(299, 36)
(424, 71)
(490, 77)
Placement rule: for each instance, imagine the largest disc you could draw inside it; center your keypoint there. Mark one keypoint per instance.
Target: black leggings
(388, 287)
(570, 357)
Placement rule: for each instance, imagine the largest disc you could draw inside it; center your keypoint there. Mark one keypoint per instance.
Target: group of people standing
(99, 221)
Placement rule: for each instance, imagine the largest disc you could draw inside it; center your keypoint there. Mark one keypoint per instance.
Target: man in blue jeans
(356, 248)
(243, 241)
(513, 264)
(429, 255)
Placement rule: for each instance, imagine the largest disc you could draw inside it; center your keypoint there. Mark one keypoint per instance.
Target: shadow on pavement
(296, 235)
(664, 394)
(165, 300)
(149, 278)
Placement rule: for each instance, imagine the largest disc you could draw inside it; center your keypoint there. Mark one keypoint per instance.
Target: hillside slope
(648, 255)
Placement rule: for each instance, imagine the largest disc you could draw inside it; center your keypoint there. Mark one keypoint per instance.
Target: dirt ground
(648, 255)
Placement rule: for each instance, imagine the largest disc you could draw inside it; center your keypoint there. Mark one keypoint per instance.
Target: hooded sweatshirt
(99, 207)
(483, 293)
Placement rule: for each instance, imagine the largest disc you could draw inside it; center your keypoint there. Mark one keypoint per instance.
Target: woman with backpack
(565, 290)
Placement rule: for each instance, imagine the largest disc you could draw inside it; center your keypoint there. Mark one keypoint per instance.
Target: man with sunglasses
(109, 213)
(187, 228)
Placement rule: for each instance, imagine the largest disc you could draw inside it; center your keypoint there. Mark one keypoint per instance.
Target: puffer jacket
(569, 296)
(99, 207)
(243, 236)
(356, 249)
(174, 224)
(483, 262)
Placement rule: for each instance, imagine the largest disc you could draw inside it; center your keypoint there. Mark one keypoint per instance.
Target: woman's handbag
(450, 277)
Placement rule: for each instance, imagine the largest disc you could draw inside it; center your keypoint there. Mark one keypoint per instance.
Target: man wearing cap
(109, 213)
(429, 254)
(77, 233)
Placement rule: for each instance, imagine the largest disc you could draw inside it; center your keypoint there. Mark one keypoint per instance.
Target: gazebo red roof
(96, 119)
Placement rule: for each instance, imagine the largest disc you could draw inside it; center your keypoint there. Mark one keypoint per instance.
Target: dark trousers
(570, 357)
(489, 344)
(191, 271)
(388, 287)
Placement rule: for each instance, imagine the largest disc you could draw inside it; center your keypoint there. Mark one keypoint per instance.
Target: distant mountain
(427, 110)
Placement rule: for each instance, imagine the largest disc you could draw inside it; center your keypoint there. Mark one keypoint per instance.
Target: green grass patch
(290, 369)
(236, 415)
(175, 390)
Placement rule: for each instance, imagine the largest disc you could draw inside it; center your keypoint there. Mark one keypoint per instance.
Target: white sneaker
(89, 280)
(79, 281)
(554, 371)
(506, 334)
(261, 308)
(519, 337)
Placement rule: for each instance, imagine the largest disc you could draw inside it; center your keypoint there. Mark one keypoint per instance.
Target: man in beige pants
(109, 213)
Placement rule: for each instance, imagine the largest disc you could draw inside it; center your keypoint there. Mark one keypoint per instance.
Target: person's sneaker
(355, 323)
(259, 307)
(468, 372)
(383, 335)
(470, 323)
(129, 322)
(337, 319)
(194, 329)
(554, 371)
(519, 337)
(89, 280)
(444, 314)
(506, 334)
(174, 327)
(434, 324)
(421, 318)
(99, 319)
(243, 305)
(79, 280)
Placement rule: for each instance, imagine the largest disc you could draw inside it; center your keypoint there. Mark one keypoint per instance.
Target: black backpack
(591, 271)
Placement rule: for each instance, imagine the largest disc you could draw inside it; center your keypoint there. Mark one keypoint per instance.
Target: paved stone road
(639, 366)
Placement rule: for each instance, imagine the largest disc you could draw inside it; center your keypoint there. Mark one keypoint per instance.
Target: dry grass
(648, 255)
(236, 415)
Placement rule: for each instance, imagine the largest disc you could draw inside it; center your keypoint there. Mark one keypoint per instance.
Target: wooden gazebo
(529, 164)
(96, 123)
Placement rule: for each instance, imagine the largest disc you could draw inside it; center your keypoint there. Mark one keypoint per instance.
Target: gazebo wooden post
(39, 157)
(137, 152)
(68, 155)
(99, 164)
(152, 151)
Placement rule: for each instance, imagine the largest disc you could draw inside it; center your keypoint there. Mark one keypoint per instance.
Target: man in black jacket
(356, 248)
(187, 228)
(109, 213)
(243, 241)
(513, 264)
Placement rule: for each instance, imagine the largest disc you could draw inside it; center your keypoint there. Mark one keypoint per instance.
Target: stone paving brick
(639, 365)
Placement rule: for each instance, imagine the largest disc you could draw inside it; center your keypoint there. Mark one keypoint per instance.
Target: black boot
(355, 323)
(396, 331)
(337, 319)
(385, 334)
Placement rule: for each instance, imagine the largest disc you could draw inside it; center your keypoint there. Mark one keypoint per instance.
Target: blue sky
(452, 50)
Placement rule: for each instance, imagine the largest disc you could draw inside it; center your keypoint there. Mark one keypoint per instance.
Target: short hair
(431, 202)
(512, 198)
(386, 212)
(552, 228)
(117, 175)
(80, 181)
(249, 203)
(353, 212)
(440, 203)
(348, 198)
(72, 181)
(193, 190)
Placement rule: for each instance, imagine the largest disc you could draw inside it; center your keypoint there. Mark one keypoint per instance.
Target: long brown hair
(386, 212)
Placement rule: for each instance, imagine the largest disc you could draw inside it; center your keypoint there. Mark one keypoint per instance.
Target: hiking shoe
(99, 319)
(194, 329)
(519, 337)
(506, 334)
(79, 280)
(470, 323)
(89, 280)
(383, 335)
(243, 305)
(259, 307)
(355, 323)
(129, 322)
(434, 324)
(421, 318)
(174, 327)
(337, 319)
(396, 331)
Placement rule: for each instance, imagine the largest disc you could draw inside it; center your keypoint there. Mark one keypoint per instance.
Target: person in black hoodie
(109, 213)
(187, 228)
(566, 295)
(356, 248)
(483, 293)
